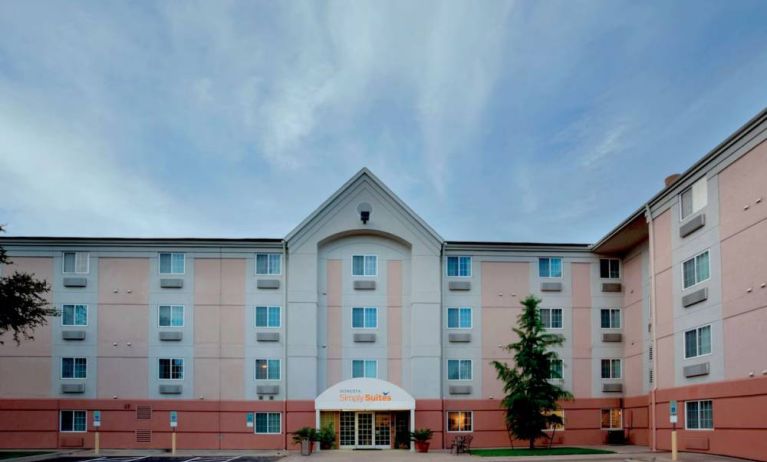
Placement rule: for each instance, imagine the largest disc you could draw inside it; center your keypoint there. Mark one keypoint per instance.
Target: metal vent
(651, 376)
(649, 352)
(143, 436)
(143, 412)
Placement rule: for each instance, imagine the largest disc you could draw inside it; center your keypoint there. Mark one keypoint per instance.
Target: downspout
(653, 329)
(443, 415)
(285, 342)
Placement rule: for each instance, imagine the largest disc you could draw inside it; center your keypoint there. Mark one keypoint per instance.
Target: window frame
(694, 259)
(268, 309)
(364, 266)
(268, 378)
(255, 425)
(561, 413)
(551, 310)
(458, 275)
(687, 415)
(459, 379)
(561, 268)
(697, 341)
(610, 317)
(459, 308)
(159, 316)
(269, 263)
(364, 368)
(620, 365)
(170, 368)
(159, 263)
(610, 410)
(609, 269)
(73, 411)
(561, 369)
(364, 318)
(74, 314)
(74, 368)
(471, 421)
(691, 190)
(76, 253)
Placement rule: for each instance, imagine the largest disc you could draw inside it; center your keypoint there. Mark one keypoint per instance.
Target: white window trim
(471, 265)
(562, 361)
(459, 308)
(551, 429)
(620, 362)
(561, 263)
(183, 369)
(712, 416)
(364, 368)
(620, 318)
(87, 320)
(159, 271)
(363, 266)
(183, 317)
(562, 318)
(471, 369)
(610, 409)
(620, 269)
(363, 317)
(87, 262)
(268, 253)
(682, 219)
(255, 317)
(697, 340)
(74, 367)
(447, 422)
(255, 428)
(255, 370)
(696, 269)
(61, 420)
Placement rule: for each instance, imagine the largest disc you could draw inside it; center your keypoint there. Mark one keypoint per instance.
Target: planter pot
(422, 446)
(306, 447)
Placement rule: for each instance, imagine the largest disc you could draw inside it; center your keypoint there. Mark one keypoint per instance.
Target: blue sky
(507, 121)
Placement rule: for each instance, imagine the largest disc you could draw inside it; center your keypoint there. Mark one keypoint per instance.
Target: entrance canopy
(364, 394)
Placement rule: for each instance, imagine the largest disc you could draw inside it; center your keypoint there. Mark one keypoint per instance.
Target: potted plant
(421, 437)
(305, 437)
(327, 436)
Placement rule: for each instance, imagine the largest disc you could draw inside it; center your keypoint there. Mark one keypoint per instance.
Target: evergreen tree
(22, 303)
(530, 397)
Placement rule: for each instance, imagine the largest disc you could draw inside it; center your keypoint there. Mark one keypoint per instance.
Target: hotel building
(364, 318)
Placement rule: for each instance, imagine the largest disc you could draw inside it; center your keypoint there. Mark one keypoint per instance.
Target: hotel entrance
(367, 414)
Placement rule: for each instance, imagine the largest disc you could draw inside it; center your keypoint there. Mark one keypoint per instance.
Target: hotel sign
(356, 395)
(364, 394)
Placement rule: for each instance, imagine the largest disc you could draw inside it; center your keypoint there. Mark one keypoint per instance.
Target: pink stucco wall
(394, 320)
(219, 295)
(123, 281)
(40, 345)
(504, 284)
(741, 185)
(123, 377)
(581, 299)
(662, 236)
(335, 321)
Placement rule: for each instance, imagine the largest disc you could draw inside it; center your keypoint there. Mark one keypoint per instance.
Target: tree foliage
(530, 397)
(23, 307)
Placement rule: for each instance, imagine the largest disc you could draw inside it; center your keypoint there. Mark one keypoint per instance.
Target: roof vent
(671, 179)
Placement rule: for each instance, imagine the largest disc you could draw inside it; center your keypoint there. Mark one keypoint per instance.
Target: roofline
(519, 246)
(694, 168)
(140, 241)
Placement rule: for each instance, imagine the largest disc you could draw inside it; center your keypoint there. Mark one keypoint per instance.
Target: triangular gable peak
(340, 214)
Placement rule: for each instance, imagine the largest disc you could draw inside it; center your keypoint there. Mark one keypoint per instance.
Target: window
(171, 315)
(364, 368)
(268, 422)
(76, 262)
(551, 318)
(610, 318)
(74, 315)
(74, 368)
(268, 263)
(699, 415)
(695, 270)
(267, 369)
(697, 342)
(550, 267)
(73, 421)
(172, 263)
(609, 268)
(460, 421)
(459, 318)
(267, 316)
(364, 265)
(612, 419)
(693, 198)
(459, 266)
(171, 369)
(459, 369)
(365, 318)
(611, 368)
(555, 369)
(555, 426)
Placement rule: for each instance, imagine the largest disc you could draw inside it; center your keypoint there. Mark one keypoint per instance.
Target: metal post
(173, 442)
(317, 425)
(96, 445)
(673, 443)
(412, 428)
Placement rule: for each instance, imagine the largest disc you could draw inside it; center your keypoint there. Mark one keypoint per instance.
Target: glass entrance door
(364, 429)
(383, 430)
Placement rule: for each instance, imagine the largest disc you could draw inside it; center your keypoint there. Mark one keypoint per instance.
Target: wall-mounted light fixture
(364, 210)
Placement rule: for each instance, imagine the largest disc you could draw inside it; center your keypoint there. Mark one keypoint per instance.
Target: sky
(545, 121)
